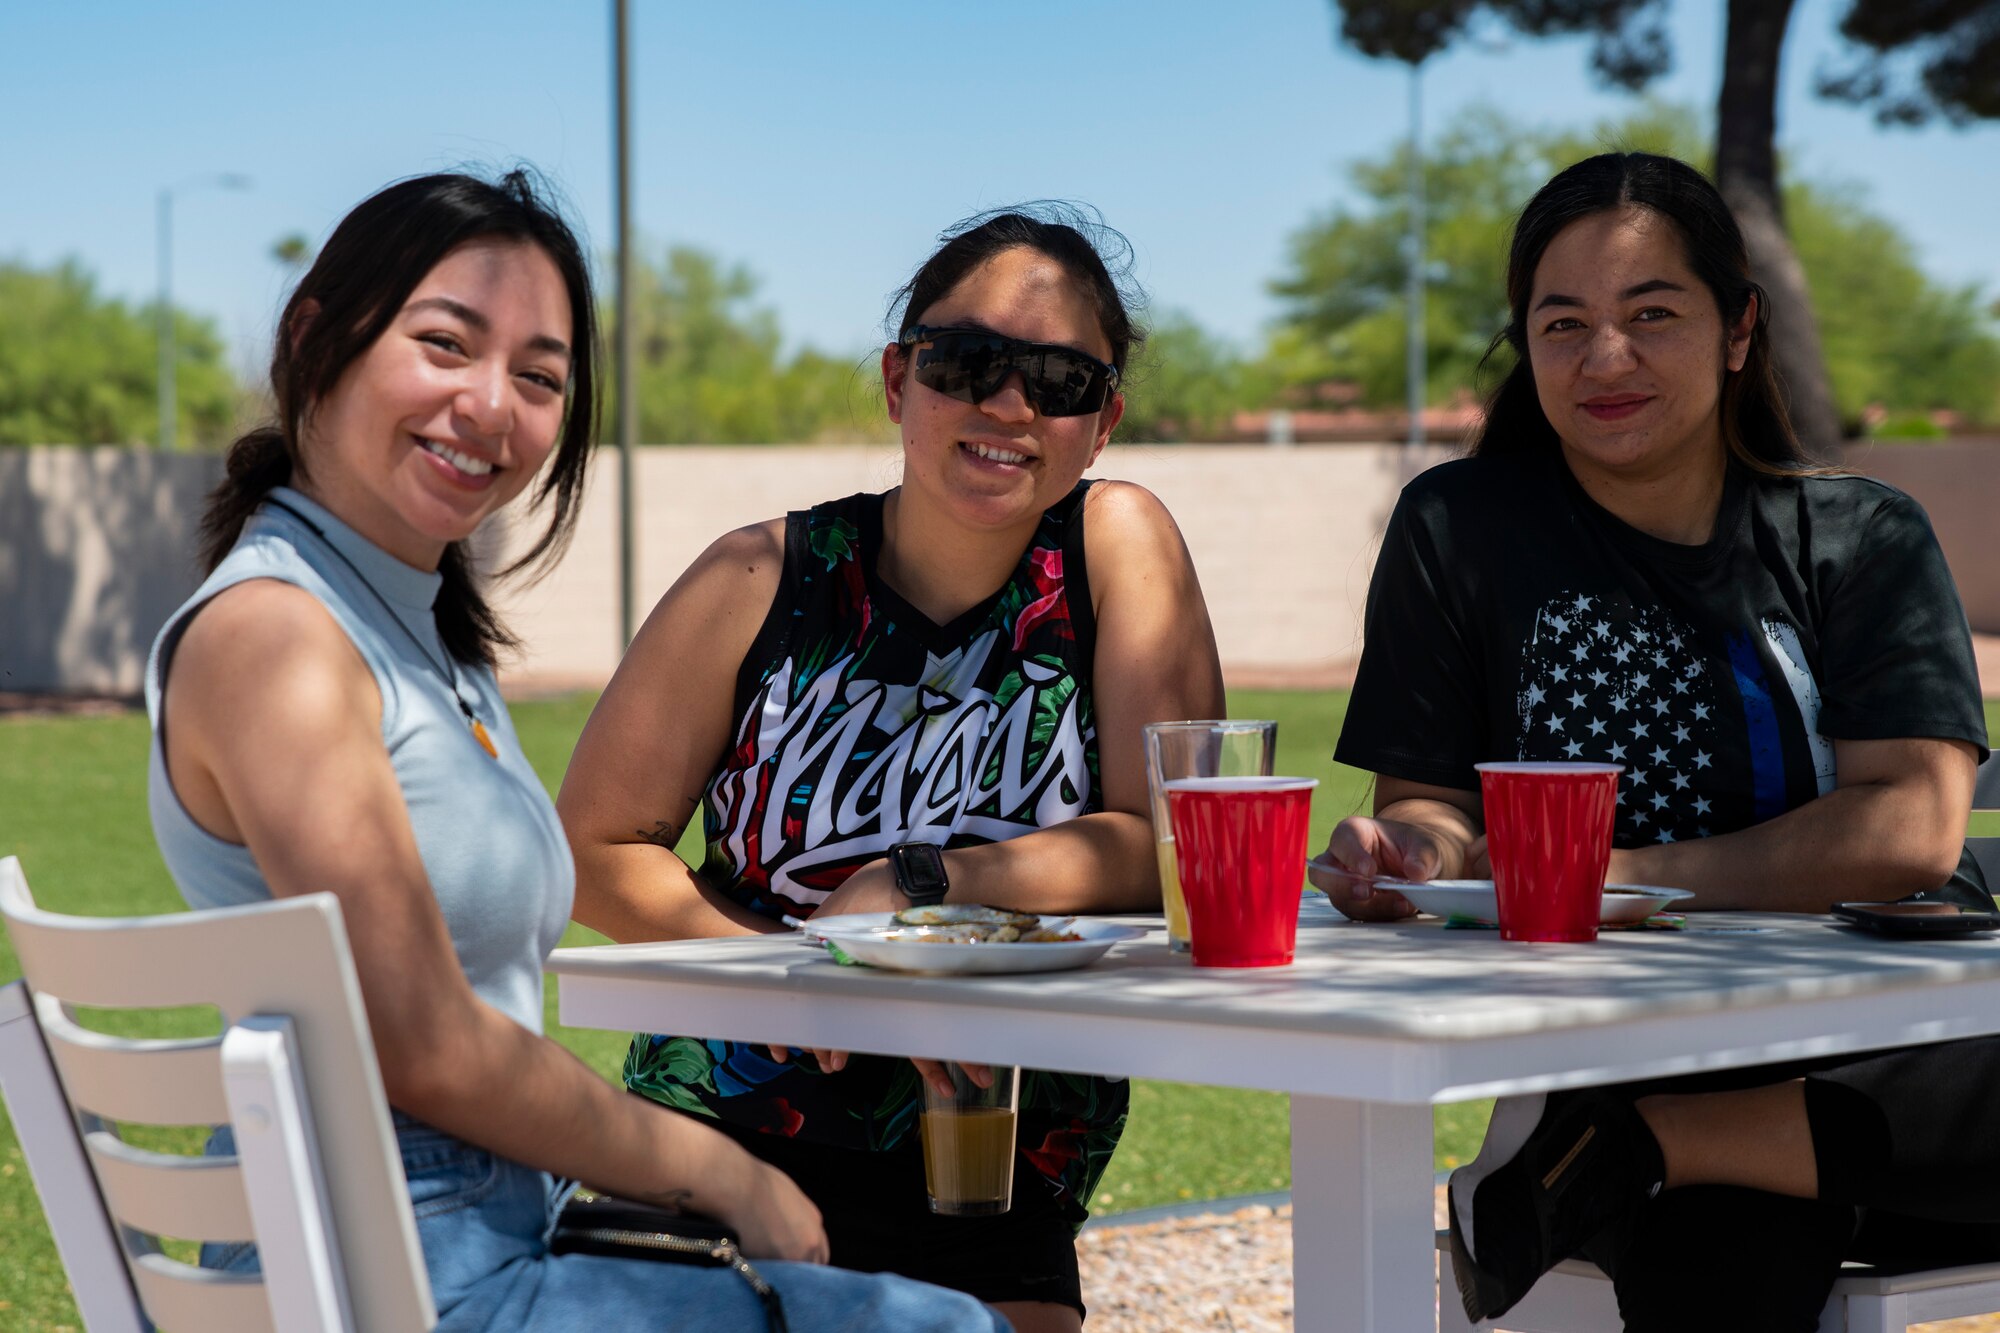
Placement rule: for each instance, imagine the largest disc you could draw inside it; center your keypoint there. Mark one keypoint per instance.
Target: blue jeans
(484, 1223)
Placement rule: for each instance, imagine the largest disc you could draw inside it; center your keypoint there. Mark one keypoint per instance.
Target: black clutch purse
(592, 1223)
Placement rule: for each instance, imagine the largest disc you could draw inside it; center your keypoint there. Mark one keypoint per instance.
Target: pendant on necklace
(485, 741)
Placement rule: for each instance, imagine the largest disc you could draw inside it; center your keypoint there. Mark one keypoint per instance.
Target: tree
(710, 372)
(292, 251)
(1912, 60)
(1184, 384)
(711, 369)
(78, 368)
(1342, 289)
(1893, 337)
(1917, 62)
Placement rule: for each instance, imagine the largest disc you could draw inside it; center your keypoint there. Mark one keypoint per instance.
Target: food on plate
(965, 914)
(965, 923)
(954, 934)
(981, 935)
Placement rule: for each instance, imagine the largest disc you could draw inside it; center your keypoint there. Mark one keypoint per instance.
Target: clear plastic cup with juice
(1211, 748)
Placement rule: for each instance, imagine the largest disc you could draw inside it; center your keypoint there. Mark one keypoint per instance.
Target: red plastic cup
(1548, 835)
(1239, 843)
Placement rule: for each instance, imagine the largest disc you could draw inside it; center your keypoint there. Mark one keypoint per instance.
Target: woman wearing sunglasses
(853, 688)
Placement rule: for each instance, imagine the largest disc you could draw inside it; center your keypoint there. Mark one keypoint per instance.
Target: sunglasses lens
(1067, 386)
(965, 366)
(972, 366)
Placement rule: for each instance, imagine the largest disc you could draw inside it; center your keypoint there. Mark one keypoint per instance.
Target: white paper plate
(866, 938)
(1623, 903)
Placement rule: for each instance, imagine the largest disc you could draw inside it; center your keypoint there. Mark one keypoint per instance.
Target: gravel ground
(1223, 1271)
(1229, 1271)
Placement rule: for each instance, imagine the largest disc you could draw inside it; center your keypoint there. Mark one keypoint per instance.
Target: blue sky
(822, 144)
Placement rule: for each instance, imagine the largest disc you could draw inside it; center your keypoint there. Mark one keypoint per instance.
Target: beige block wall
(1958, 484)
(1283, 539)
(96, 545)
(683, 498)
(96, 550)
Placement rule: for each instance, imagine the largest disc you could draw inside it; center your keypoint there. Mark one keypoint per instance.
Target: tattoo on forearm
(664, 833)
(673, 1200)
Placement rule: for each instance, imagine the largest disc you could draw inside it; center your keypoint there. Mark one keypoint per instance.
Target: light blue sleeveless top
(491, 844)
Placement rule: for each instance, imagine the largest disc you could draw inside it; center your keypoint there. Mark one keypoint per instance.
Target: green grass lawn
(73, 808)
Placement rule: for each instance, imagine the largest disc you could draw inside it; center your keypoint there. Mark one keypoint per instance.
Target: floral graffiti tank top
(860, 723)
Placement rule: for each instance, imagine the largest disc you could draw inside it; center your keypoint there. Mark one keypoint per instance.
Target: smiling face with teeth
(995, 466)
(450, 413)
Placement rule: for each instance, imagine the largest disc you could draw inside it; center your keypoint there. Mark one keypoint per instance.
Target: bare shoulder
(758, 543)
(663, 722)
(262, 623)
(707, 620)
(738, 567)
(1124, 504)
(1125, 522)
(265, 643)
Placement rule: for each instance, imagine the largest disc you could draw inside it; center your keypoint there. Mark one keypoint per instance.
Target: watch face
(919, 869)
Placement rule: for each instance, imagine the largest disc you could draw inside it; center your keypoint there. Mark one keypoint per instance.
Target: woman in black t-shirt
(967, 662)
(1639, 565)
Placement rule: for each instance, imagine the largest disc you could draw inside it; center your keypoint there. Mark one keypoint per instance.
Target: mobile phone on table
(1918, 918)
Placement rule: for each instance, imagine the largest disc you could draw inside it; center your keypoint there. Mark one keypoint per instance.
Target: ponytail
(470, 629)
(258, 463)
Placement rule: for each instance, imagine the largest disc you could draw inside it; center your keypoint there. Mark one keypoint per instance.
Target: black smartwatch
(919, 871)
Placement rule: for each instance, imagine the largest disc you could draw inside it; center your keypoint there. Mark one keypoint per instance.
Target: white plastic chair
(317, 1183)
(1986, 800)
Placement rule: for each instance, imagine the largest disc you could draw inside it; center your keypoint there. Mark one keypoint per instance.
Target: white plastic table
(1368, 1029)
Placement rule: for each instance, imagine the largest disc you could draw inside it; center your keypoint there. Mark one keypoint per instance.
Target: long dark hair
(354, 289)
(1070, 234)
(1756, 428)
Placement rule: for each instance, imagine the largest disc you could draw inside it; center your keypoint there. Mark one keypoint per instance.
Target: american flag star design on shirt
(1624, 685)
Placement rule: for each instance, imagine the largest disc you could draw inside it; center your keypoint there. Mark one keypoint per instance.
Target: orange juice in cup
(1170, 894)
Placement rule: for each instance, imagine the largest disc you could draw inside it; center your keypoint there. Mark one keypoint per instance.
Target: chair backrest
(1986, 798)
(317, 1181)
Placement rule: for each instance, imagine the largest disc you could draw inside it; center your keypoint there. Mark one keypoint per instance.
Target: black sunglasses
(971, 365)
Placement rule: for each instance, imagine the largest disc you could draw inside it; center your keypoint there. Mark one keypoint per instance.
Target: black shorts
(878, 1220)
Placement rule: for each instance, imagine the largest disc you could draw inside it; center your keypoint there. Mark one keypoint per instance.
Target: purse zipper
(722, 1251)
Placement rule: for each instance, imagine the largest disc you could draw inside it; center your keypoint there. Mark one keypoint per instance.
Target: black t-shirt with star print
(1512, 617)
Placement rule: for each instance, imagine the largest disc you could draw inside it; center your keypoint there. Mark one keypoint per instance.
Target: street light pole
(1414, 358)
(164, 316)
(625, 335)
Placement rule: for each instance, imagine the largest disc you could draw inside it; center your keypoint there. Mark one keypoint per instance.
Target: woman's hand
(1365, 849)
(830, 1062)
(1418, 832)
(938, 1075)
(869, 889)
(774, 1219)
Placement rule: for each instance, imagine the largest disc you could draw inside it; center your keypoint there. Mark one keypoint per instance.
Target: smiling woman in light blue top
(326, 718)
